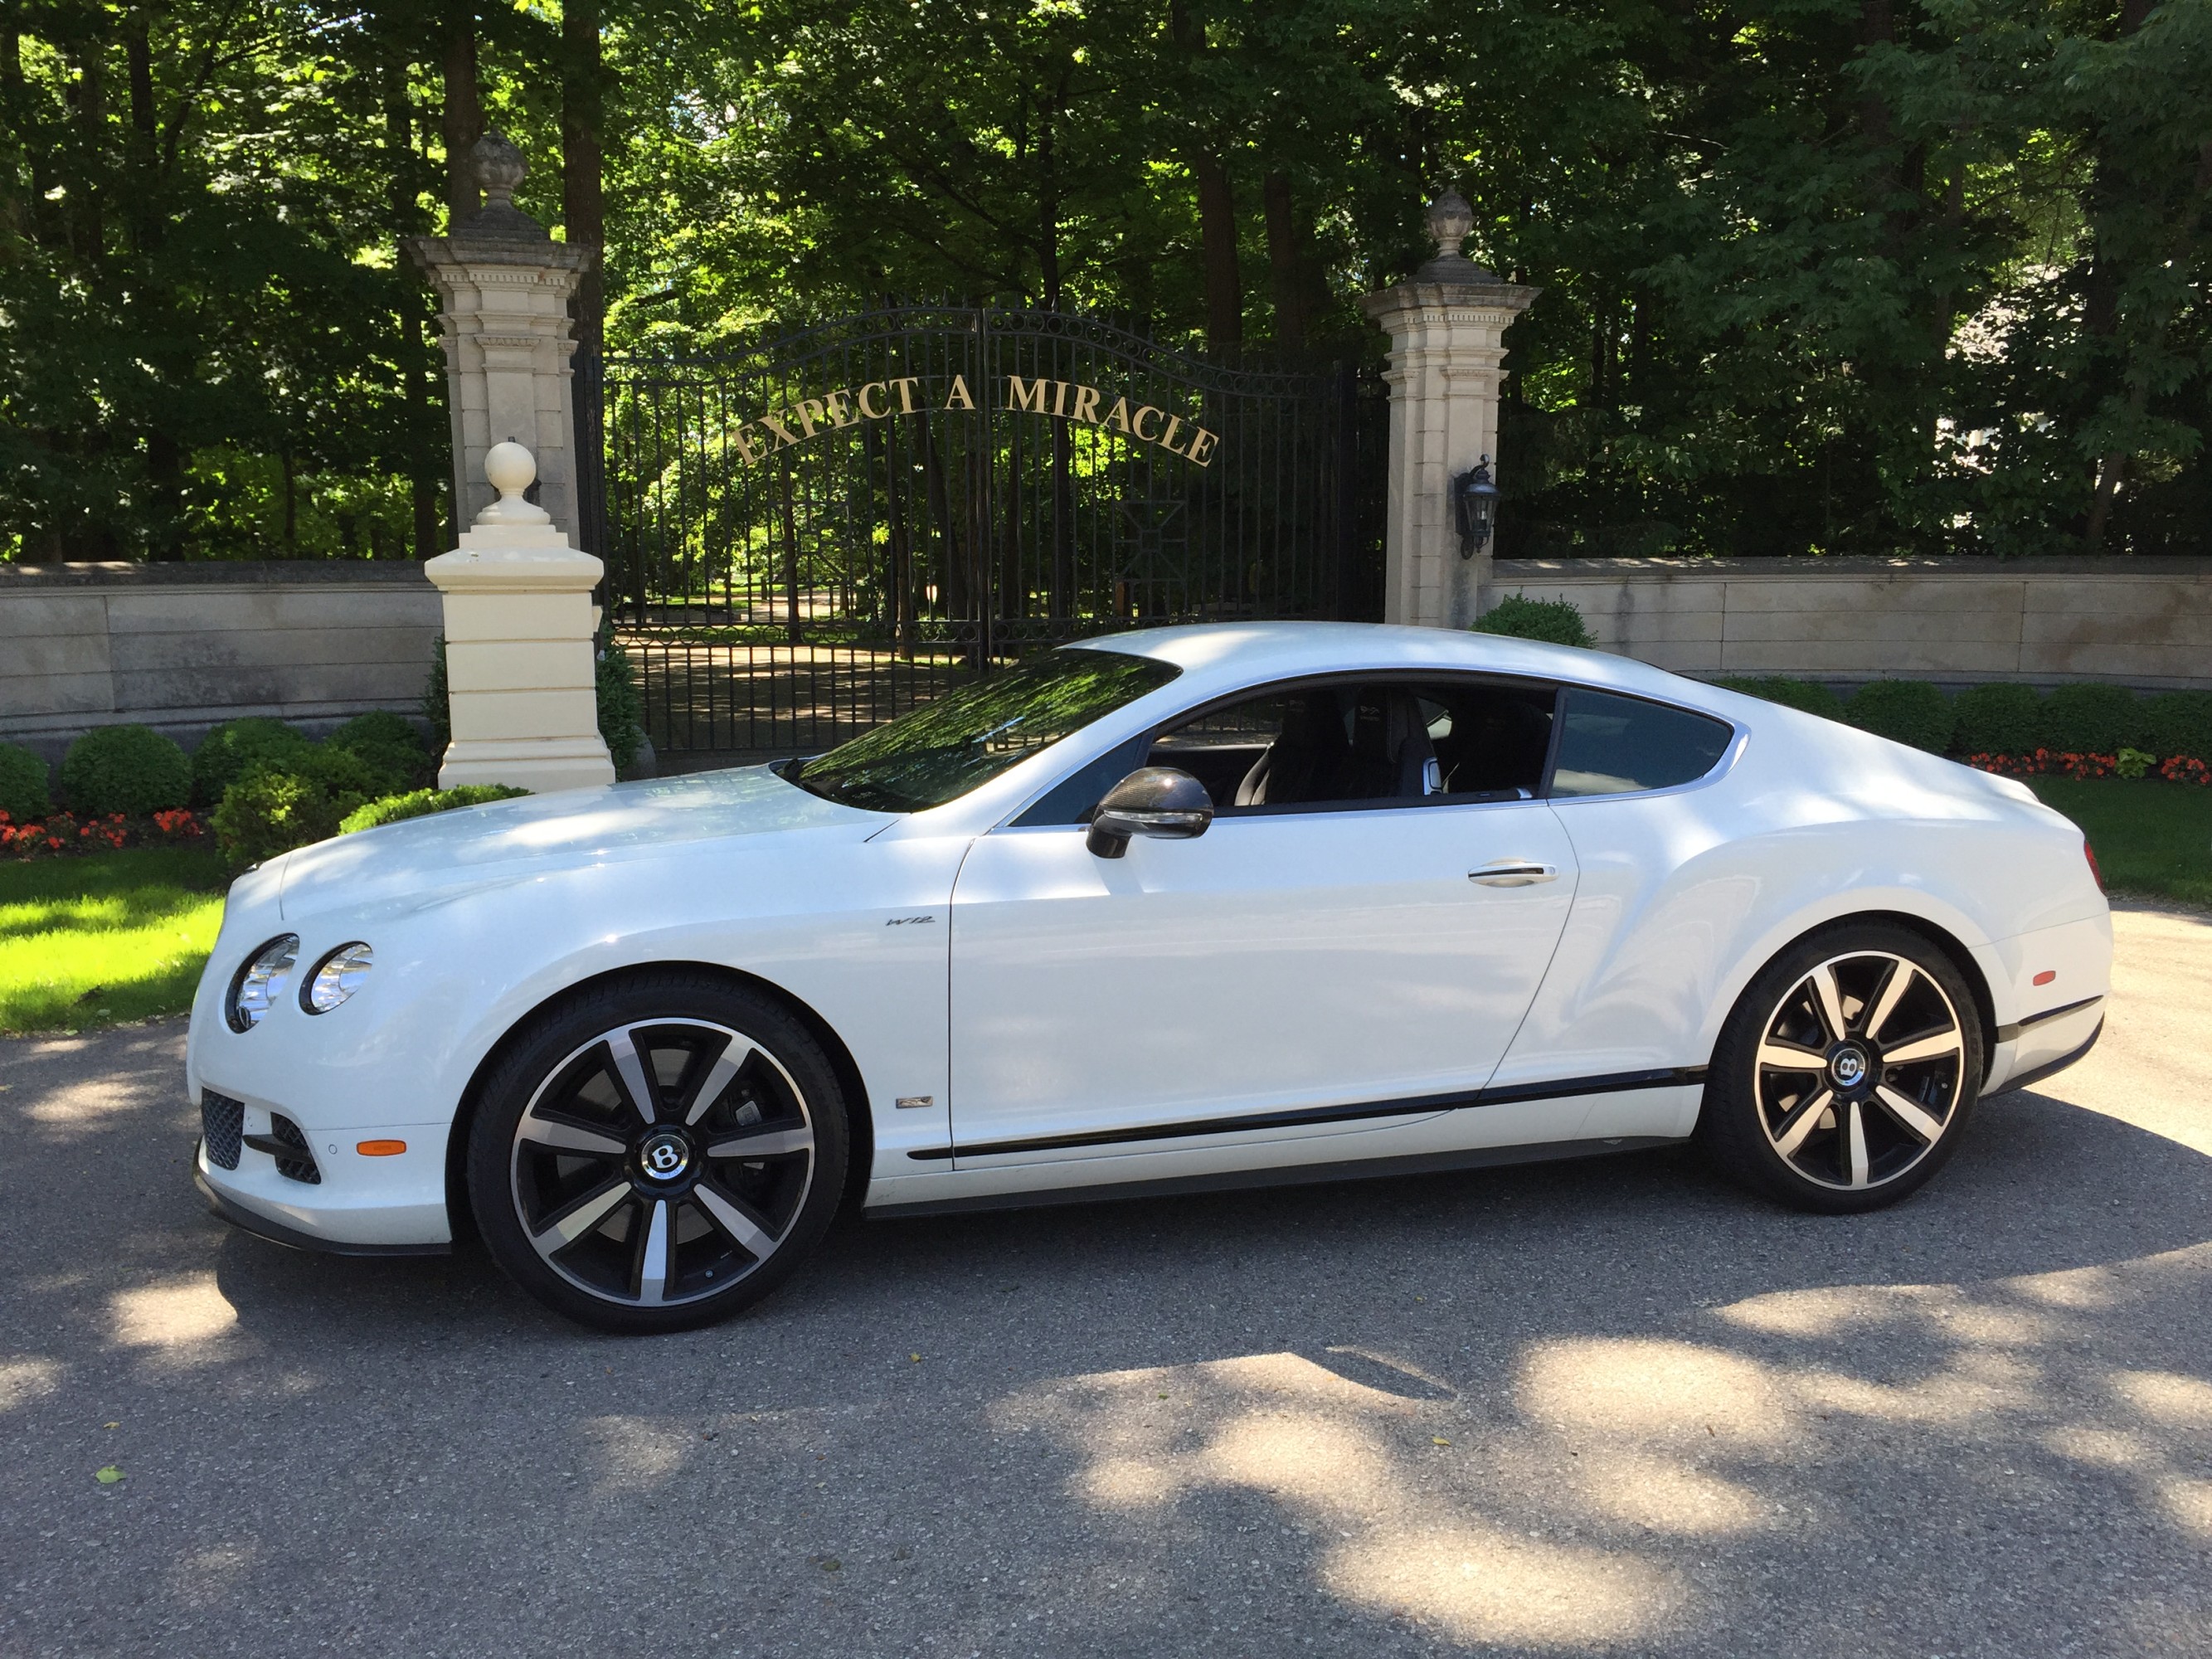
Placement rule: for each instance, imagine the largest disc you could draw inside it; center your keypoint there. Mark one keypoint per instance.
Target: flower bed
(60, 834)
(2128, 763)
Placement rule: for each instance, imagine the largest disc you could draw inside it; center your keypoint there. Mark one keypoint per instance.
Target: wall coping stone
(214, 572)
(1859, 567)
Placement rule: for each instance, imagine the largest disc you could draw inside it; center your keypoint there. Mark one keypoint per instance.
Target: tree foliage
(1817, 275)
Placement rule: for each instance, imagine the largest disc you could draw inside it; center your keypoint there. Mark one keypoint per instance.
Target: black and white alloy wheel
(659, 1156)
(1847, 1071)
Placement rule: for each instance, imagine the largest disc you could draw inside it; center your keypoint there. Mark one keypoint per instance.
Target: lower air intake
(222, 1122)
(296, 1162)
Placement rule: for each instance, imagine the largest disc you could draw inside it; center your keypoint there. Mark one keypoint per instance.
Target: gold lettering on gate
(1063, 400)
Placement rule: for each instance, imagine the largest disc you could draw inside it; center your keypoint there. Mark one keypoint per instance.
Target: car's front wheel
(658, 1153)
(1845, 1075)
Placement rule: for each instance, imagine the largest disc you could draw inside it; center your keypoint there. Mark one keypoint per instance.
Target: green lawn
(2151, 838)
(113, 936)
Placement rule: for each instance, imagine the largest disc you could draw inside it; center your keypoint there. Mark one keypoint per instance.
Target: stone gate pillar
(1447, 329)
(518, 635)
(504, 287)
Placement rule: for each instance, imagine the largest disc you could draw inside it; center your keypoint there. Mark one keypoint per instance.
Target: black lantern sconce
(1474, 508)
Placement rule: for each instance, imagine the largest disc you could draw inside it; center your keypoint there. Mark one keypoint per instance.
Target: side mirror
(1158, 800)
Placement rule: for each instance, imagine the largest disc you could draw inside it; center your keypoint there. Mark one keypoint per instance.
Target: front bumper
(360, 1205)
(277, 1232)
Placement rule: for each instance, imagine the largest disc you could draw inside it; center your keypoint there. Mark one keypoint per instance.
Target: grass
(90, 941)
(2152, 839)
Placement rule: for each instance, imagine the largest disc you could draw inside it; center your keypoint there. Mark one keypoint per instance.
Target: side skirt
(1295, 1175)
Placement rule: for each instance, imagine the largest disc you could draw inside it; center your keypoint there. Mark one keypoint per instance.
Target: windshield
(941, 751)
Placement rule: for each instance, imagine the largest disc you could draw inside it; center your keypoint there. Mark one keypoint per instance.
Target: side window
(1611, 745)
(1333, 745)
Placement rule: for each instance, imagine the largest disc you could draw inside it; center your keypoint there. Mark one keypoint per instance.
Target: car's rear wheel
(658, 1153)
(1847, 1071)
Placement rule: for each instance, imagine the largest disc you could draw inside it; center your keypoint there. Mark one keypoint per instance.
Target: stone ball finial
(499, 166)
(1450, 220)
(510, 468)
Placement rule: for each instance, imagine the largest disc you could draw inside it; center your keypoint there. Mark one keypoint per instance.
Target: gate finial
(511, 469)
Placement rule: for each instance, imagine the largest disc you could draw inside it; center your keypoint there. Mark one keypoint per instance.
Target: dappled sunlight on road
(1617, 1481)
(1336, 1454)
(182, 1319)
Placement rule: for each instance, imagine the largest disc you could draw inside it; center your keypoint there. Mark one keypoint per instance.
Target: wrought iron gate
(809, 538)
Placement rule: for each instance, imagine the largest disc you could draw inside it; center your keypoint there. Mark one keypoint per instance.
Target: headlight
(337, 977)
(261, 981)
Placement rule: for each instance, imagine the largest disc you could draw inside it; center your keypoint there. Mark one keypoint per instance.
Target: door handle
(1513, 873)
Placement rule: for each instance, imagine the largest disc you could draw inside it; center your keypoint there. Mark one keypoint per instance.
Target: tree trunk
(408, 317)
(2103, 309)
(1217, 225)
(464, 116)
(583, 204)
(1287, 262)
(87, 229)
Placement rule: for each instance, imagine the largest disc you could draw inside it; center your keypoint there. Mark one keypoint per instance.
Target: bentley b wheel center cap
(664, 1157)
(1848, 1067)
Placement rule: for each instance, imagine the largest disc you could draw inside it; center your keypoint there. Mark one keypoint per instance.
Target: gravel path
(1608, 1407)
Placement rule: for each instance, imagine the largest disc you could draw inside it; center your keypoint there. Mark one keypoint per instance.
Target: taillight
(2090, 854)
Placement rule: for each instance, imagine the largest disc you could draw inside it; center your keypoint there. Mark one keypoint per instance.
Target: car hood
(533, 835)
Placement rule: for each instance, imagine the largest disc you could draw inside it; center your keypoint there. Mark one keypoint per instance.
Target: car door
(1311, 966)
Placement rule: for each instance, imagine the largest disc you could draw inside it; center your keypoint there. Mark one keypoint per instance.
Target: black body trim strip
(2011, 1033)
(1289, 1174)
(291, 1238)
(1418, 1105)
(2052, 1067)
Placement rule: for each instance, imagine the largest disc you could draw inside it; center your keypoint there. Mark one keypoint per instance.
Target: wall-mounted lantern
(1474, 508)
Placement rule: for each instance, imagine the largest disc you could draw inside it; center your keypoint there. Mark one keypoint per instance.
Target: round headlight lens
(338, 976)
(261, 982)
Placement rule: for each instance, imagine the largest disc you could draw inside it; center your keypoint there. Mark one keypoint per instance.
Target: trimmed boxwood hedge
(1911, 711)
(24, 796)
(227, 750)
(131, 769)
(1810, 696)
(420, 803)
(2092, 719)
(1997, 719)
(1554, 621)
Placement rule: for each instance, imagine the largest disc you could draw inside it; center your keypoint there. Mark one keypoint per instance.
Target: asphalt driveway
(1612, 1406)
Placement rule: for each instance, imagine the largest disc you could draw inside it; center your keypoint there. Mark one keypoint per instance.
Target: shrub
(270, 810)
(390, 745)
(1555, 621)
(24, 793)
(1808, 695)
(226, 752)
(132, 770)
(2178, 723)
(1904, 711)
(620, 706)
(295, 797)
(2091, 720)
(1998, 719)
(420, 803)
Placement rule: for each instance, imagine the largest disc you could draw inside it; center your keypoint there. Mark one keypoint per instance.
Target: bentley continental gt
(1173, 909)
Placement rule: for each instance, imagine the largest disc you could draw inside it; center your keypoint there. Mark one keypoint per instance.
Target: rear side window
(1612, 745)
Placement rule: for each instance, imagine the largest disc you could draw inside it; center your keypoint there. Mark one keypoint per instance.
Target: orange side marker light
(380, 1148)
(2046, 976)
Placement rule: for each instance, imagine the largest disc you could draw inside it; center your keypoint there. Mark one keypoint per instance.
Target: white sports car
(1190, 907)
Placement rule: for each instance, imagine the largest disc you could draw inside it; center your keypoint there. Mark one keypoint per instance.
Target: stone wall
(179, 648)
(2140, 621)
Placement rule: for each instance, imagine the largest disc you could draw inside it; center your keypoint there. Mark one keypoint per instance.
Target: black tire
(1841, 1122)
(633, 1221)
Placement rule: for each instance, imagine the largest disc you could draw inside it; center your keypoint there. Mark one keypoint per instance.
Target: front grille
(222, 1122)
(300, 1164)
